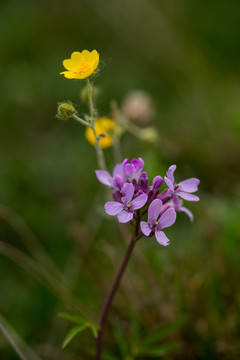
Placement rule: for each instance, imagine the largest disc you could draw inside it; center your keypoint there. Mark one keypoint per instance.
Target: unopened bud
(65, 110)
(138, 107)
(84, 93)
(157, 182)
(149, 134)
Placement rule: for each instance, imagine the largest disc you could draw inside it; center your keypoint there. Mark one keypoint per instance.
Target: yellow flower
(81, 65)
(104, 127)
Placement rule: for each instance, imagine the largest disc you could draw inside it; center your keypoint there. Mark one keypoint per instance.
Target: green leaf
(94, 328)
(158, 351)
(73, 332)
(161, 333)
(73, 318)
(121, 340)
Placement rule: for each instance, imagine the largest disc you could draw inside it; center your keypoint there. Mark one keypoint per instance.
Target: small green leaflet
(83, 324)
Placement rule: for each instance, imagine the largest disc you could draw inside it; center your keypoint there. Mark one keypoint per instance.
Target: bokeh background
(58, 251)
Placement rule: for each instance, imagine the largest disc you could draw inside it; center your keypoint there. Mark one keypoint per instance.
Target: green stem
(100, 155)
(90, 101)
(83, 122)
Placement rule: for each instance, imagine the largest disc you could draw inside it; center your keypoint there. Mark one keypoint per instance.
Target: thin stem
(113, 290)
(100, 155)
(83, 122)
(90, 101)
(12, 343)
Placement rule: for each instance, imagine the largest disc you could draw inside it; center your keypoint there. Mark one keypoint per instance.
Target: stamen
(83, 68)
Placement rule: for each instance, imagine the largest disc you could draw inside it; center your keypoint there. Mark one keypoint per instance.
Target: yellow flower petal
(90, 56)
(81, 64)
(73, 63)
(68, 74)
(103, 125)
(84, 75)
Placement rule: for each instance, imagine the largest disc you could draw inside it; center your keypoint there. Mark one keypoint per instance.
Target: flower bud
(65, 110)
(138, 107)
(84, 93)
(157, 182)
(149, 134)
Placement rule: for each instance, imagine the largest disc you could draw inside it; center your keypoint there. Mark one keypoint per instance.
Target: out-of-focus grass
(187, 56)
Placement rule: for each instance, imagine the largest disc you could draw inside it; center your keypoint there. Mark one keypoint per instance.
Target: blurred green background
(58, 251)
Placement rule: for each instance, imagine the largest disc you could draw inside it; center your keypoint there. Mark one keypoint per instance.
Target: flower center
(83, 68)
(127, 206)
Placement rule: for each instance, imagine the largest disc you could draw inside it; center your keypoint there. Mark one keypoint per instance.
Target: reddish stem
(113, 290)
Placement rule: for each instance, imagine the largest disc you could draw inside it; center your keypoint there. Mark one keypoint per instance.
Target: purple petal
(127, 191)
(176, 202)
(143, 181)
(139, 202)
(145, 228)
(165, 195)
(189, 185)
(157, 182)
(138, 164)
(162, 238)
(129, 168)
(187, 196)
(167, 219)
(104, 177)
(188, 212)
(113, 207)
(170, 172)
(143, 176)
(117, 182)
(164, 208)
(125, 216)
(118, 170)
(154, 210)
(117, 195)
(169, 183)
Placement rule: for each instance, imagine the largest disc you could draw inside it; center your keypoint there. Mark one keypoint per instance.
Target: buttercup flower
(104, 127)
(184, 188)
(157, 220)
(81, 65)
(126, 208)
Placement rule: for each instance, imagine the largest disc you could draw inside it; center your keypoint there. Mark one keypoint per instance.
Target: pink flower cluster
(131, 192)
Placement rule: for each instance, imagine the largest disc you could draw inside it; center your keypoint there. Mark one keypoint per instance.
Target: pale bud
(138, 107)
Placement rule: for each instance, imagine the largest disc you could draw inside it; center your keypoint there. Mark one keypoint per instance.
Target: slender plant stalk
(100, 155)
(83, 122)
(114, 289)
(12, 343)
(90, 101)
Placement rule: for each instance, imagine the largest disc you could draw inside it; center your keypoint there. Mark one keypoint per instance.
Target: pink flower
(158, 218)
(182, 189)
(126, 208)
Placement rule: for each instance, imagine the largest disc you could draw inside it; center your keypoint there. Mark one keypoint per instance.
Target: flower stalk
(137, 235)
(100, 155)
(83, 122)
